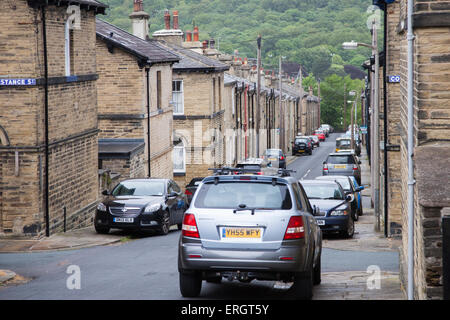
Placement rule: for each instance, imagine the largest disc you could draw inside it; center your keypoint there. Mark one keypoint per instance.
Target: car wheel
(350, 229)
(317, 272)
(190, 284)
(360, 211)
(302, 288)
(165, 223)
(102, 230)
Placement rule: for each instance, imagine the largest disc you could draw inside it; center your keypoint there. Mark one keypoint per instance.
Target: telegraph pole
(280, 86)
(258, 95)
(345, 106)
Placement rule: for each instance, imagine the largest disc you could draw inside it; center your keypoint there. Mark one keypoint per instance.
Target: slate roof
(193, 61)
(95, 5)
(149, 51)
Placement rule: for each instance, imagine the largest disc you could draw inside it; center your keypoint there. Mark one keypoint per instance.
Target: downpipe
(411, 181)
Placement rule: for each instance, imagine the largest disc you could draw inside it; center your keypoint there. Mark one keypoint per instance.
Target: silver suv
(246, 227)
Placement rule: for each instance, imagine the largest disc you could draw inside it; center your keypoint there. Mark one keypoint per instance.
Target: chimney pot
(175, 20)
(196, 34)
(138, 6)
(167, 19)
(205, 44)
(188, 36)
(212, 43)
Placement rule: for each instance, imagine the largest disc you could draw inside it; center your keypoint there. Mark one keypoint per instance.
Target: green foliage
(308, 32)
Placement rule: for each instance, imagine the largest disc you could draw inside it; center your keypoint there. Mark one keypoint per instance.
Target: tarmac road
(146, 268)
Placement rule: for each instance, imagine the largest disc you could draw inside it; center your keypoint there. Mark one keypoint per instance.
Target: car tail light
(189, 228)
(295, 228)
(355, 167)
(281, 158)
(188, 193)
(325, 167)
(259, 173)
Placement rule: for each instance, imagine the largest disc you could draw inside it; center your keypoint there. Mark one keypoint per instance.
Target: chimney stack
(167, 19)
(175, 20)
(139, 20)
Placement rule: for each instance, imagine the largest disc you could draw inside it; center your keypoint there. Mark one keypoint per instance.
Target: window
(178, 96)
(214, 95)
(158, 89)
(344, 159)
(179, 156)
(232, 195)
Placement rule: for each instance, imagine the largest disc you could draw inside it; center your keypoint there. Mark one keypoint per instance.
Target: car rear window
(343, 143)
(341, 159)
(301, 141)
(323, 191)
(231, 195)
(249, 166)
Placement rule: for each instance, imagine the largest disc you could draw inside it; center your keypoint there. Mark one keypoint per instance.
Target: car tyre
(317, 272)
(102, 230)
(165, 223)
(190, 284)
(302, 288)
(350, 231)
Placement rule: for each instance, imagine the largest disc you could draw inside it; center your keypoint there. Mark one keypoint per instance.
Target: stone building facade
(134, 93)
(52, 115)
(431, 22)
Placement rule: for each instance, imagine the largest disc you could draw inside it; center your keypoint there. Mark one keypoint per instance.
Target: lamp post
(375, 168)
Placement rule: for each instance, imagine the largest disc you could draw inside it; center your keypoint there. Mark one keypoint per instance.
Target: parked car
(302, 145)
(316, 140)
(274, 157)
(330, 128)
(325, 130)
(358, 188)
(320, 134)
(250, 227)
(191, 188)
(342, 164)
(141, 204)
(349, 189)
(343, 143)
(332, 206)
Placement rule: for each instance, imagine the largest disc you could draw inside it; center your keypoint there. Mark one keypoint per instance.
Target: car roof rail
(224, 171)
(285, 172)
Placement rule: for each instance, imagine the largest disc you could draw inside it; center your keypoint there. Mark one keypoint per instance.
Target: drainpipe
(411, 182)
(385, 129)
(246, 120)
(44, 33)
(147, 71)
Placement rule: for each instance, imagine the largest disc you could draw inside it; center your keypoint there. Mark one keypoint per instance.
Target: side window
(304, 199)
(169, 187)
(297, 196)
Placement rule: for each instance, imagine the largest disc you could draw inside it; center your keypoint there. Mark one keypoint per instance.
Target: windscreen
(139, 188)
(344, 159)
(342, 143)
(301, 140)
(321, 191)
(234, 195)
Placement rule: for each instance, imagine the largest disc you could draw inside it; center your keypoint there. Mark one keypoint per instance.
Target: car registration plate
(340, 166)
(320, 222)
(124, 220)
(301, 150)
(243, 233)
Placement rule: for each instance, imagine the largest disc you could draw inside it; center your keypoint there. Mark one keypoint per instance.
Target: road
(146, 268)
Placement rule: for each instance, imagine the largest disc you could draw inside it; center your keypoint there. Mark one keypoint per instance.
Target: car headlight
(101, 207)
(152, 208)
(339, 213)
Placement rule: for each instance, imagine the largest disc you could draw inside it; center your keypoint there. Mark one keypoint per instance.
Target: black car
(141, 204)
(191, 188)
(302, 145)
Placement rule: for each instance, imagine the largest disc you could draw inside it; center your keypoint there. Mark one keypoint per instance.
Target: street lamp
(375, 169)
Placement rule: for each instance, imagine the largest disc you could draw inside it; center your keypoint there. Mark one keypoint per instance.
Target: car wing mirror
(360, 188)
(105, 192)
(348, 198)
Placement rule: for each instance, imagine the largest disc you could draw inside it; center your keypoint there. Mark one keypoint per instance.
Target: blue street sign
(17, 82)
(393, 79)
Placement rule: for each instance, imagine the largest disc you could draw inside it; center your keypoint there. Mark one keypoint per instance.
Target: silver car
(244, 227)
(342, 164)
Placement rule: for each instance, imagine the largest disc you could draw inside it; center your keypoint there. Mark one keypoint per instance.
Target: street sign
(17, 82)
(394, 79)
(363, 129)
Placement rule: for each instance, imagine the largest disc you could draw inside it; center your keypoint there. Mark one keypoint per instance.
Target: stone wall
(431, 132)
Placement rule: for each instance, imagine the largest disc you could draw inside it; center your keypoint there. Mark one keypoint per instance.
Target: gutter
(147, 71)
